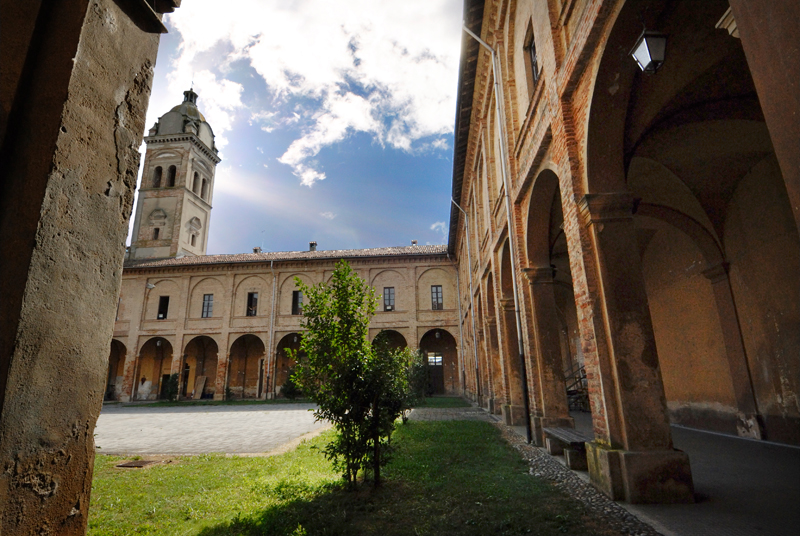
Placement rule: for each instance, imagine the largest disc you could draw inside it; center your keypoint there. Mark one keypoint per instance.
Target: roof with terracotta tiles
(400, 251)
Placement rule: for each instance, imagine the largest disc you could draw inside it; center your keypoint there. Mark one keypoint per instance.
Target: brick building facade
(652, 239)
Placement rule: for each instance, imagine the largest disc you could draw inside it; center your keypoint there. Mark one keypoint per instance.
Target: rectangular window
(155, 233)
(434, 359)
(163, 307)
(388, 298)
(297, 302)
(252, 303)
(208, 306)
(436, 298)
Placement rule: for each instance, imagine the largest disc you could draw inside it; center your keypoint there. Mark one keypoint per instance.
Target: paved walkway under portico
(743, 487)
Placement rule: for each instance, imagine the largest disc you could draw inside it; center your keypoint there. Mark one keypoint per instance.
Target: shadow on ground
(443, 480)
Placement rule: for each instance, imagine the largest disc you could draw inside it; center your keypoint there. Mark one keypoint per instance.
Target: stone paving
(198, 430)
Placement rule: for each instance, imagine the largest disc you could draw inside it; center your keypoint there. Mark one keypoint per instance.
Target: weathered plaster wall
(71, 175)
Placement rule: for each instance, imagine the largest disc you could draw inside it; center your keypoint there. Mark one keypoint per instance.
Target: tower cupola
(174, 206)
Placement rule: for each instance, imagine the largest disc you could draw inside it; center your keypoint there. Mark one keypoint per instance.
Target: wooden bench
(569, 442)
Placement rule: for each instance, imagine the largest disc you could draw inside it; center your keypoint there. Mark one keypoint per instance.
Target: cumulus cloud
(327, 215)
(334, 67)
(440, 227)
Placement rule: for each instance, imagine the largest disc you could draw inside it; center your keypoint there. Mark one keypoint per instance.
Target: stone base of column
(648, 477)
(218, 396)
(749, 425)
(513, 415)
(538, 424)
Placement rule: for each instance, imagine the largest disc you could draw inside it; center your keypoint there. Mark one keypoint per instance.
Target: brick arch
(199, 361)
(246, 366)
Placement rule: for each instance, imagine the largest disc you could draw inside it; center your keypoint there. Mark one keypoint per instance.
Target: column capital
(717, 273)
(606, 207)
(538, 274)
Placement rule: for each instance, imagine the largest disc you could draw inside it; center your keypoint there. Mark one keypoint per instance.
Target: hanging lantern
(649, 51)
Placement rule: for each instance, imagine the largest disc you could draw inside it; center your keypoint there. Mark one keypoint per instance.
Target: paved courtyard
(197, 430)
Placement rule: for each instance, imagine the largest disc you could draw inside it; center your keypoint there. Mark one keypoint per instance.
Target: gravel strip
(597, 504)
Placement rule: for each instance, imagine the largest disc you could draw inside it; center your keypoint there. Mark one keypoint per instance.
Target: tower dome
(185, 118)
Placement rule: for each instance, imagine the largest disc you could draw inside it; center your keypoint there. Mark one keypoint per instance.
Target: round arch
(246, 367)
(393, 339)
(116, 370)
(440, 352)
(198, 378)
(153, 369)
(284, 364)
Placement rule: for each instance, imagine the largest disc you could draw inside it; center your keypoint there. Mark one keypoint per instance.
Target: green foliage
(228, 393)
(289, 389)
(170, 388)
(359, 387)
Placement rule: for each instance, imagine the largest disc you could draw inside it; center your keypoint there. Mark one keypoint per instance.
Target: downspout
(460, 328)
(501, 121)
(271, 331)
(471, 301)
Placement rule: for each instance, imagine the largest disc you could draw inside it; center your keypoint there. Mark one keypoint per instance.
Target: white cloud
(439, 226)
(384, 68)
(327, 215)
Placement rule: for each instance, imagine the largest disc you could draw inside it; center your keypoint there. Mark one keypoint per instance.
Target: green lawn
(446, 478)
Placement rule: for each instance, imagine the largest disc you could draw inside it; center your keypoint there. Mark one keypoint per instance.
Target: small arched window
(156, 232)
(171, 176)
(204, 190)
(194, 240)
(157, 177)
(196, 183)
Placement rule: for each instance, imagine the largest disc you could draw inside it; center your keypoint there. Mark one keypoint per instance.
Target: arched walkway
(199, 371)
(393, 339)
(152, 369)
(284, 364)
(116, 370)
(550, 300)
(246, 368)
(440, 353)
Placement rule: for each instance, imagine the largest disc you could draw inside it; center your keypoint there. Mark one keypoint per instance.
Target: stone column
(770, 33)
(550, 391)
(76, 84)
(632, 457)
(223, 366)
(497, 393)
(513, 409)
(747, 424)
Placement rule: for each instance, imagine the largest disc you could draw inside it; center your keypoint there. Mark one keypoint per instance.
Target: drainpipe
(271, 330)
(460, 326)
(471, 301)
(502, 123)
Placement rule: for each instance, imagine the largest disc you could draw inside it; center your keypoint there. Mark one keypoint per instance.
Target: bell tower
(174, 207)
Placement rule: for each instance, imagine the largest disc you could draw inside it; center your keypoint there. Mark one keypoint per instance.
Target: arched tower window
(157, 177)
(171, 176)
(196, 183)
(193, 227)
(204, 190)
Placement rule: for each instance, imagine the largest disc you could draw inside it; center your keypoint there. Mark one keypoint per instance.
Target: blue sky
(334, 118)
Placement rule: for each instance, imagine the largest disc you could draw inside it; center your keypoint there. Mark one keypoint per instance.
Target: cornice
(185, 136)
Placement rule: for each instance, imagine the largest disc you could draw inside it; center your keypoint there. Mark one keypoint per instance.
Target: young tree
(358, 387)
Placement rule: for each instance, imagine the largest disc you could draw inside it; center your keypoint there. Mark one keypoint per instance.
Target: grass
(446, 478)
